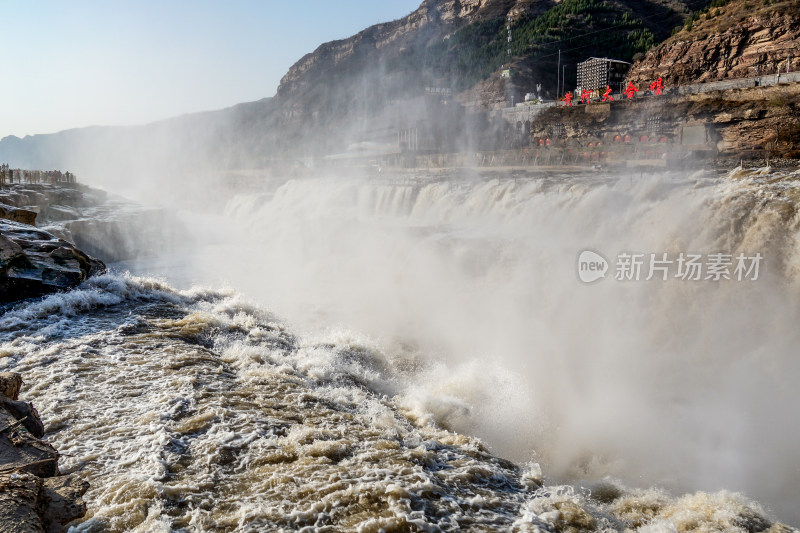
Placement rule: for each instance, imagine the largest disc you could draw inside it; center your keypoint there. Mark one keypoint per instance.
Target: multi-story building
(596, 73)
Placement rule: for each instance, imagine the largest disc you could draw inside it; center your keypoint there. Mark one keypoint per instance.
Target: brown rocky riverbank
(34, 496)
(74, 225)
(35, 261)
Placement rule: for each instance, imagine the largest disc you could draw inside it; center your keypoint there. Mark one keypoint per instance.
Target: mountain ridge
(375, 81)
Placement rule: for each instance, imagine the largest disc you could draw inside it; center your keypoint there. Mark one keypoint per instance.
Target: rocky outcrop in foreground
(111, 228)
(34, 497)
(34, 262)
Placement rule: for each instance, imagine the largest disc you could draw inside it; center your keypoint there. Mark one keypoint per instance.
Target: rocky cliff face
(434, 19)
(330, 97)
(334, 96)
(753, 122)
(743, 38)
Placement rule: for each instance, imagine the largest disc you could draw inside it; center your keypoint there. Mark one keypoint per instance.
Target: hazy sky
(66, 64)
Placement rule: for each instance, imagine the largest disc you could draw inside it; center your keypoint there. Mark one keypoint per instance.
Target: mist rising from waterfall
(472, 281)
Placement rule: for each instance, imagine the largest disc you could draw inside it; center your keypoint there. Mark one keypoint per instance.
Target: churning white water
(687, 383)
(417, 310)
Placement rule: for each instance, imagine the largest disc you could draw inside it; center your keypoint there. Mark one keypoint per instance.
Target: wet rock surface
(34, 262)
(24, 216)
(47, 200)
(34, 497)
(113, 229)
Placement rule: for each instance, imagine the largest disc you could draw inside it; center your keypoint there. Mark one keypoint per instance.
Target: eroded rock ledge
(113, 229)
(34, 496)
(34, 262)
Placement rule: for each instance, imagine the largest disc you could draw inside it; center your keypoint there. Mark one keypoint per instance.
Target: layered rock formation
(50, 202)
(15, 214)
(761, 122)
(34, 262)
(743, 38)
(756, 122)
(113, 229)
(34, 497)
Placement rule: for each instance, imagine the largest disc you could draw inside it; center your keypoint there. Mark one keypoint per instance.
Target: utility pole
(558, 78)
(563, 77)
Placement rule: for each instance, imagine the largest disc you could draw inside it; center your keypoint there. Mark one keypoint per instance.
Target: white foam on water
(671, 382)
(219, 417)
(200, 409)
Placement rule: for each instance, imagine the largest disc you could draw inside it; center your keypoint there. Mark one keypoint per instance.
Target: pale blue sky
(73, 63)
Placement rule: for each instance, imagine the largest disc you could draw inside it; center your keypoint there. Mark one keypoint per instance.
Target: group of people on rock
(17, 175)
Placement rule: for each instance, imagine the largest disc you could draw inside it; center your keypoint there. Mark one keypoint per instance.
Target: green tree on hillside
(579, 27)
